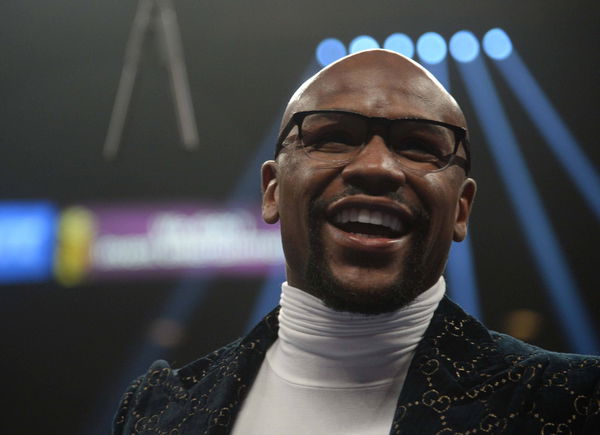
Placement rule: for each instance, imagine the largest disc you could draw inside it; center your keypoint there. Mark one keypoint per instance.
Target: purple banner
(98, 242)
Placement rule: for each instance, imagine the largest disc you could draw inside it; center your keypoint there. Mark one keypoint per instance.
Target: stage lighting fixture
(497, 44)
(464, 46)
(363, 42)
(400, 43)
(329, 50)
(153, 19)
(432, 48)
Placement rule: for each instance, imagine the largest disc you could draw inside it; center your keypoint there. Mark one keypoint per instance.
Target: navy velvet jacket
(463, 379)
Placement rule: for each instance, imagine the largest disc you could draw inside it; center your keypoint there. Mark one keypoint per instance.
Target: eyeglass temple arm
(461, 162)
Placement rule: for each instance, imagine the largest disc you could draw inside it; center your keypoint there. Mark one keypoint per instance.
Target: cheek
(439, 199)
(293, 205)
(439, 196)
(301, 184)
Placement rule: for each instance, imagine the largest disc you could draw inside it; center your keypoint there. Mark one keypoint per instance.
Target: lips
(370, 217)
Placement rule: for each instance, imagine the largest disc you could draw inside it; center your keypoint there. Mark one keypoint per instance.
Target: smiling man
(367, 183)
(370, 185)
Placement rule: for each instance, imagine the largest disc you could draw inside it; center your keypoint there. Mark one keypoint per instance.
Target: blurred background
(131, 134)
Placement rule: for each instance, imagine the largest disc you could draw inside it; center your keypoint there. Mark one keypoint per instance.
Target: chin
(360, 297)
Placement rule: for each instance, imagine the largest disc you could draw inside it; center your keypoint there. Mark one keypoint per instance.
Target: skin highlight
(349, 272)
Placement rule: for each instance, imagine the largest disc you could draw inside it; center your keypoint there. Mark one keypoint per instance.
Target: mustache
(317, 207)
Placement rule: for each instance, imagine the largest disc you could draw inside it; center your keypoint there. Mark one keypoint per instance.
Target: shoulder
(463, 336)
(575, 374)
(147, 399)
(475, 377)
(201, 394)
(521, 350)
(556, 391)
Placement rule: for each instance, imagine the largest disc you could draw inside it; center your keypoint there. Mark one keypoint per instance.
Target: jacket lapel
(453, 357)
(221, 385)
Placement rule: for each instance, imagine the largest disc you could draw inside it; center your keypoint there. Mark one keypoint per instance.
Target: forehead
(377, 83)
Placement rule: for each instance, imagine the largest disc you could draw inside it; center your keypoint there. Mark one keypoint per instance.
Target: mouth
(369, 223)
(370, 218)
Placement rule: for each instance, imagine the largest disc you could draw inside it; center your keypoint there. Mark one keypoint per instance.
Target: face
(407, 219)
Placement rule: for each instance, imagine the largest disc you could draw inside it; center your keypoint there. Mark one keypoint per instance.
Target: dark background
(66, 352)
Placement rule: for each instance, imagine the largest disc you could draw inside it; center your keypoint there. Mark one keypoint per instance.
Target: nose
(375, 169)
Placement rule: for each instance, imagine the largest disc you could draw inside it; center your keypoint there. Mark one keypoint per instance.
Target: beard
(341, 297)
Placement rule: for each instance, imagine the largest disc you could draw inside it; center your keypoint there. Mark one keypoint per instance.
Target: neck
(321, 347)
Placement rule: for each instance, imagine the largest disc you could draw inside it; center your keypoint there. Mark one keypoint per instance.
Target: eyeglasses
(335, 137)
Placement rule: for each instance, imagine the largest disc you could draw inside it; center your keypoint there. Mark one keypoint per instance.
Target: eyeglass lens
(335, 138)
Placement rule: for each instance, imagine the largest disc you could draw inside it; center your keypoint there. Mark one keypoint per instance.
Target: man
(370, 186)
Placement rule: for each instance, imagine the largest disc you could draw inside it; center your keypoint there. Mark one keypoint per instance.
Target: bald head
(380, 78)
(378, 83)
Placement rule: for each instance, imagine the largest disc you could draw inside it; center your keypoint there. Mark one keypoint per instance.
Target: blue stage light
(329, 50)
(462, 279)
(361, 43)
(400, 43)
(431, 48)
(464, 46)
(528, 206)
(497, 44)
(552, 127)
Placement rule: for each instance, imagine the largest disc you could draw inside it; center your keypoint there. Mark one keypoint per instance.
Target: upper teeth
(368, 217)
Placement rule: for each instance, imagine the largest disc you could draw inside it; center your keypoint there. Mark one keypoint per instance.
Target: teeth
(376, 218)
(364, 216)
(368, 217)
(345, 215)
(387, 220)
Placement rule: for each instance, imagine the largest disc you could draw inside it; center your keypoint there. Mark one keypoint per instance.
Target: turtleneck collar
(323, 348)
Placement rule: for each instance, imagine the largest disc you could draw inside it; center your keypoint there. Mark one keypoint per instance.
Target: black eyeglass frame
(460, 134)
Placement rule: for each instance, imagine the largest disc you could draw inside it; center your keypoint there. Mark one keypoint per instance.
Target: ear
(463, 209)
(270, 192)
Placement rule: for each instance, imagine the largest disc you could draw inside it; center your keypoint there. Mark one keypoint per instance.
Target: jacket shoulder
(162, 387)
(468, 378)
(200, 395)
(581, 373)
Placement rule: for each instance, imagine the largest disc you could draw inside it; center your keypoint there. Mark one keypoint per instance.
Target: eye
(418, 149)
(421, 141)
(330, 138)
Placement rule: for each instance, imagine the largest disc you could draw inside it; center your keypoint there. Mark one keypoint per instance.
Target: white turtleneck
(332, 372)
